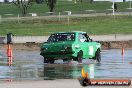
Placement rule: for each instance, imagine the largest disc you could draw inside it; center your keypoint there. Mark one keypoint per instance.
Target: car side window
(82, 38)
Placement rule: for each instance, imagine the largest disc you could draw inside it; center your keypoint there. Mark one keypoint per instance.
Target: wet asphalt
(28, 65)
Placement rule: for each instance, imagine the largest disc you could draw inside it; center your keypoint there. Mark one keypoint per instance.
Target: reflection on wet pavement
(28, 65)
(61, 71)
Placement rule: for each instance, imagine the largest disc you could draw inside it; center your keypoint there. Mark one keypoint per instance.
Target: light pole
(130, 7)
(69, 13)
(130, 4)
(113, 7)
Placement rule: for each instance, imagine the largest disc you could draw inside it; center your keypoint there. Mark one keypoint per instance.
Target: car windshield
(61, 37)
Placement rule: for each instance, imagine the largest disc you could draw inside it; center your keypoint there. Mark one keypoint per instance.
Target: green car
(70, 46)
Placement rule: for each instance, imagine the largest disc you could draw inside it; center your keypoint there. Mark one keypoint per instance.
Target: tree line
(24, 5)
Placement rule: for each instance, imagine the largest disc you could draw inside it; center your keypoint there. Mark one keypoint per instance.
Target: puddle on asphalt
(28, 65)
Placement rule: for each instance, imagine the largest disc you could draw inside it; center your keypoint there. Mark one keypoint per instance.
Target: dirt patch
(116, 44)
(23, 46)
(36, 46)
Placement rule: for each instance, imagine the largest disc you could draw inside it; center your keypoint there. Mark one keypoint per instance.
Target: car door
(91, 47)
(86, 45)
(83, 44)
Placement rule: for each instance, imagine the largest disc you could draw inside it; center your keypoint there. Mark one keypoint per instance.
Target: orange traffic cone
(122, 51)
(9, 54)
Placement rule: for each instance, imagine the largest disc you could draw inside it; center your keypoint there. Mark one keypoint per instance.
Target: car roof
(70, 32)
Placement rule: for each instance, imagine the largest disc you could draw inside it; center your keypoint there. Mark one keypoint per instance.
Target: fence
(60, 17)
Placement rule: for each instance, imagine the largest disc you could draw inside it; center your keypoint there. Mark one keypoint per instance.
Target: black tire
(79, 56)
(51, 60)
(47, 60)
(98, 56)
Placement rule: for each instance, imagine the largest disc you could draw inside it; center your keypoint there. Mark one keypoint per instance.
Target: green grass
(92, 25)
(62, 6)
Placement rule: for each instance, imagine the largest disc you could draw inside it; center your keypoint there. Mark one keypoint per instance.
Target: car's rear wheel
(49, 60)
(98, 56)
(79, 56)
(45, 60)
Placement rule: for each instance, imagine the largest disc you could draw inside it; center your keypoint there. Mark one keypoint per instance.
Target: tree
(23, 5)
(51, 4)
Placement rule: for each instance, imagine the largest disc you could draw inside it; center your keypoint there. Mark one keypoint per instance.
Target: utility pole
(130, 4)
(113, 7)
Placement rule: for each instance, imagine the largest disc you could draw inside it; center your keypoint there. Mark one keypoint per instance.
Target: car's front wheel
(98, 56)
(80, 56)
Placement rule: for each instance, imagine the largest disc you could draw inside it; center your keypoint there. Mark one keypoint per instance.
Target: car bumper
(57, 54)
